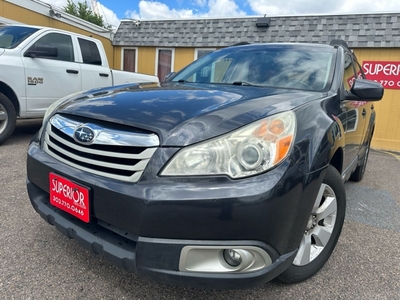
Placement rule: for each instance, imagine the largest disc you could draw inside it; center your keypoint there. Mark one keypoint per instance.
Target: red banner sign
(385, 72)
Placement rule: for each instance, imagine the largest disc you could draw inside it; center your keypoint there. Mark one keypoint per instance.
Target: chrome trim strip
(134, 178)
(105, 136)
(146, 154)
(137, 167)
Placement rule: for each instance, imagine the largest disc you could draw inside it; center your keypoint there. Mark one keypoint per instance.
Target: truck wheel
(8, 118)
(322, 232)
(359, 172)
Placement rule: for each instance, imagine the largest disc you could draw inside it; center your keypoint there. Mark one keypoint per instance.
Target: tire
(8, 118)
(322, 232)
(359, 172)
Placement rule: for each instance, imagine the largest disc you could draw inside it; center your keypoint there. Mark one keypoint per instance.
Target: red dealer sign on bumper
(385, 72)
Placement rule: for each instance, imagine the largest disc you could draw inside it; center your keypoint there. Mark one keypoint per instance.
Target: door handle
(364, 113)
(72, 71)
(104, 74)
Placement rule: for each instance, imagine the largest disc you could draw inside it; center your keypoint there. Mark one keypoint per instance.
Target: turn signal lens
(283, 147)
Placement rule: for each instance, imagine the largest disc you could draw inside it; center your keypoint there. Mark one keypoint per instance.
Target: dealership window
(129, 59)
(164, 63)
(199, 52)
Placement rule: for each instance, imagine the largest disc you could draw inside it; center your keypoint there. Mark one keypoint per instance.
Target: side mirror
(42, 51)
(367, 90)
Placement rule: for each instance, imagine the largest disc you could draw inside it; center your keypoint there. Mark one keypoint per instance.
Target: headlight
(249, 150)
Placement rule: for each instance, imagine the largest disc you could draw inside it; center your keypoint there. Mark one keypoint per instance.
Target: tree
(83, 11)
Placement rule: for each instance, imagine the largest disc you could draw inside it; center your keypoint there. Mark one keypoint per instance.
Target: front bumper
(143, 227)
(156, 259)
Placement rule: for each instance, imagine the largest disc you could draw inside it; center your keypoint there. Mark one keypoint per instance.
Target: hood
(182, 114)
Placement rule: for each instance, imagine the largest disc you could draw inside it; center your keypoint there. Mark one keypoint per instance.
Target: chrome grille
(114, 153)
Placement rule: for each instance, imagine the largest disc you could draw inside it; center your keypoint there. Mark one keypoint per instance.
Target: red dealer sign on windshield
(385, 72)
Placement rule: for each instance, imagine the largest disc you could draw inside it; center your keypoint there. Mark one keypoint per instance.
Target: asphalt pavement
(38, 262)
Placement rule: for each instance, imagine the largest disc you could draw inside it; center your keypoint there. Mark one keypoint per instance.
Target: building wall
(183, 56)
(147, 58)
(25, 15)
(387, 129)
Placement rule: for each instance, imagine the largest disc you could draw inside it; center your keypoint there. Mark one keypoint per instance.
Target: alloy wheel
(319, 227)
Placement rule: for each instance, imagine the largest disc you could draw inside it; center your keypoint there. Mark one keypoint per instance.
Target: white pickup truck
(39, 65)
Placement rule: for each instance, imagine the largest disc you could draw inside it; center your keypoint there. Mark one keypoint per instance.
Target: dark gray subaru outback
(228, 175)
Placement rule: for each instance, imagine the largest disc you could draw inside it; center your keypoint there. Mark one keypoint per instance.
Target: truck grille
(112, 153)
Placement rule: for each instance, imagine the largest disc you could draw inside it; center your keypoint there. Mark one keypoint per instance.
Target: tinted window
(90, 52)
(58, 45)
(299, 67)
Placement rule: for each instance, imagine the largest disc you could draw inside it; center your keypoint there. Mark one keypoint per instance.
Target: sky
(115, 10)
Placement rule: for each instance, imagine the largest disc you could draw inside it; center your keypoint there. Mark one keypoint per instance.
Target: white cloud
(293, 7)
(224, 8)
(109, 17)
(363, 6)
(149, 10)
(270, 7)
(157, 10)
(200, 3)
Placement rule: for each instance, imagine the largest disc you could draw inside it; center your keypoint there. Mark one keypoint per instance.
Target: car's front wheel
(322, 232)
(8, 118)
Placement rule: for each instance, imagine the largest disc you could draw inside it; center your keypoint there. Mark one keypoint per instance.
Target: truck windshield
(12, 36)
(279, 66)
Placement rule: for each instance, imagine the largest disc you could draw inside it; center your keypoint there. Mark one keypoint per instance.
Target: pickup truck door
(50, 71)
(353, 117)
(94, 67)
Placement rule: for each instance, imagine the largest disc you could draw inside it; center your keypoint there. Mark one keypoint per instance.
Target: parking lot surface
(38, 262)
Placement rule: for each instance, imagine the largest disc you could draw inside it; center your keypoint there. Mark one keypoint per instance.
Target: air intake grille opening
(121, 155)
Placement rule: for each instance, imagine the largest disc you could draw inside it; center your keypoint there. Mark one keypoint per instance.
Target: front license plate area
(69, 197)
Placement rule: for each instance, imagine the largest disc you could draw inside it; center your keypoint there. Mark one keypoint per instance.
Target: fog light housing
(223, 259)
(232, 257)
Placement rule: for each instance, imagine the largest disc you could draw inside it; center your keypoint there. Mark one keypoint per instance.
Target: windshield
(12, 36)
(278, 66)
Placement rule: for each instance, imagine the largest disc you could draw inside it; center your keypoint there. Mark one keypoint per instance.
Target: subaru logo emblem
(84, 135)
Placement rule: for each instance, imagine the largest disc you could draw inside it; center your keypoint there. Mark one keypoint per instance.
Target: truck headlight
(249, 150)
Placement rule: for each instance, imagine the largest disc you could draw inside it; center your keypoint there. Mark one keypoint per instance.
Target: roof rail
(339, 43)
